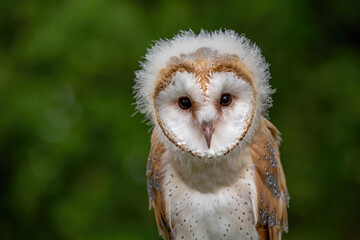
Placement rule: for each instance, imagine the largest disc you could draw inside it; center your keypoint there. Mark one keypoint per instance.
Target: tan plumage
(154, 176)
(272, 198)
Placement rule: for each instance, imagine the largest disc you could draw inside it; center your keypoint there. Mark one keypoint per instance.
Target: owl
(214, 169)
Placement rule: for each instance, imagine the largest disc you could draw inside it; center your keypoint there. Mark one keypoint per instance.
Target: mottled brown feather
(270, 182)
(154, 175)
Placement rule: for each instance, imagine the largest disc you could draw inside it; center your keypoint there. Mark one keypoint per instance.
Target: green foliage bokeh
(72, 159)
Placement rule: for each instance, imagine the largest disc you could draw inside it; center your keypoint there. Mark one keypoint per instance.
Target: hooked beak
(208, 129)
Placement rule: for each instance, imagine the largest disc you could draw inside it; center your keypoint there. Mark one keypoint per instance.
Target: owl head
(205, 92)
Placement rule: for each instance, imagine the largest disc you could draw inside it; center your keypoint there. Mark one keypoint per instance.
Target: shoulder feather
(273, 198)
(154, 174)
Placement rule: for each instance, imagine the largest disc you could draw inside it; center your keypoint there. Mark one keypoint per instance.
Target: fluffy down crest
(186, 43)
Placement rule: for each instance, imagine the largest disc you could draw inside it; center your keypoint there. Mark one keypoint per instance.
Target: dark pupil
(225, 99)
(184, 103)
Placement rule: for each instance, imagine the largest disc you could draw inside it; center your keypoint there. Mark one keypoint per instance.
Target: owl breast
(226, 213)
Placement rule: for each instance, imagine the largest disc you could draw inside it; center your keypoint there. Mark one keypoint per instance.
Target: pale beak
(208, 129)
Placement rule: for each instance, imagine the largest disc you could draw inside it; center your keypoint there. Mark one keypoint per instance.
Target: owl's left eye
(185, 102)
(225, 99)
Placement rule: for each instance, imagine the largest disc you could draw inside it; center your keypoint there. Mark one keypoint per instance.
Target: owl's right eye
(184, 102)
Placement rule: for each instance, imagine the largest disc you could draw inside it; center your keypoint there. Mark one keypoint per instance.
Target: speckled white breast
(227, 213)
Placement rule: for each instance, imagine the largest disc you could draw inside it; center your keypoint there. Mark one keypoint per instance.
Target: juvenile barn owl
(214, 169)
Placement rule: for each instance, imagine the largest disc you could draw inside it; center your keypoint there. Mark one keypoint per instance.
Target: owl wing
(154, 174)
(273, 198)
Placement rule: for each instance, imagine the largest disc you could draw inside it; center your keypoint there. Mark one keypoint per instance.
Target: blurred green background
(72, 160)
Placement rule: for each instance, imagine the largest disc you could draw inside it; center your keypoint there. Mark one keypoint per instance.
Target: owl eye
(225, 99)
(184, 102)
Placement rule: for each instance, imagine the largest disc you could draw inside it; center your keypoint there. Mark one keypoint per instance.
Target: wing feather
(273, 198)
(154, 174)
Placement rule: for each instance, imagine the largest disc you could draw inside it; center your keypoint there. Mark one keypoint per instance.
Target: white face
(206, 124)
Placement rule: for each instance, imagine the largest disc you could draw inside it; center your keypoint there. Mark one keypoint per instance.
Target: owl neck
(210, 175)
